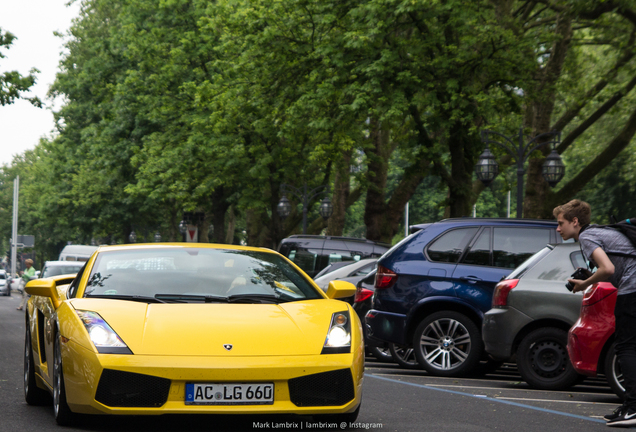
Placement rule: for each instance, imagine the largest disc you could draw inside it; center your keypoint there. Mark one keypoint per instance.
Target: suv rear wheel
(543, 361)
(447, 343)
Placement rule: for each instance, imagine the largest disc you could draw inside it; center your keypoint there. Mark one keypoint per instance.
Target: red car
(591, 338)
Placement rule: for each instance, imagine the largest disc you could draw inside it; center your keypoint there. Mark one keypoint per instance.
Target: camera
(579, 274)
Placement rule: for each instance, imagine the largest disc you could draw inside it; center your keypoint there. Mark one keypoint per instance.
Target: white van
(77, 252)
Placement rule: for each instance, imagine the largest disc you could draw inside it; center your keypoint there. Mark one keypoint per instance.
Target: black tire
(487, 365)
(613, 373)
(33, 395)
(339, 418)
(543, 361)
(448, 343)
(382, 354)
(404, 356)
(63, 414)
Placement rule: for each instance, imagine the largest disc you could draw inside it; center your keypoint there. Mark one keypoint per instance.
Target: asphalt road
(394, 399)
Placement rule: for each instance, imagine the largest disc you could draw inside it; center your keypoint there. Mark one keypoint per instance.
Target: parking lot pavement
(504, 391)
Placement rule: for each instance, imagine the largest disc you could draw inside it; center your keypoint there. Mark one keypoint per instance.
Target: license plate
(229, 394)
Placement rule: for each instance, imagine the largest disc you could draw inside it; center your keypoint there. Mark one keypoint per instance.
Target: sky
(33, 23)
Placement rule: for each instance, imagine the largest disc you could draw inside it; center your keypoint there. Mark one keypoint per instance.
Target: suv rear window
(512, 246)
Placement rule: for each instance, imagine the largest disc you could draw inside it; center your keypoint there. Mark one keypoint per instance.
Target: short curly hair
(574, 209)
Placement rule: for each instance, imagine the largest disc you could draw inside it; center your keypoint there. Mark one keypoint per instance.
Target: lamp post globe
(326, 208)
(283, 208)
(553, 169)
(183, 226)
(486, 168)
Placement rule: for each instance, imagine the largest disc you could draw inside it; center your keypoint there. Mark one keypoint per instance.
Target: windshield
(529, 263)
(60, 270)
(175, 274)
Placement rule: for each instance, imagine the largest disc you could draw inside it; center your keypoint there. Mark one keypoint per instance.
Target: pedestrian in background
(597, 245)
(26, 275)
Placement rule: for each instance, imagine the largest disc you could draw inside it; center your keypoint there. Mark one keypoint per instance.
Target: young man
(601, 246)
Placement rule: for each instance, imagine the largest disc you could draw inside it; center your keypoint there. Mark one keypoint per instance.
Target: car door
(493, 254)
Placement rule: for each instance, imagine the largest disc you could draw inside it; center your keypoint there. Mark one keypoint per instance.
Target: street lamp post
(553, 168)
(132, 237)
(284, 206)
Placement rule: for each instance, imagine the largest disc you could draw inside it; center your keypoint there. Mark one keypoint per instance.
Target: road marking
(496, 388)
(557, 400)
(490, 399)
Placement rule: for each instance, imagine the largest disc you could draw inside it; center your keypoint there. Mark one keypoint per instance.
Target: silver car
(57, 268)
(353, 273)
(4, 283)
(531, 314)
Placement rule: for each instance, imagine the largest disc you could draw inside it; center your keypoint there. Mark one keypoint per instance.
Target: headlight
(102, 335)
(338, 339)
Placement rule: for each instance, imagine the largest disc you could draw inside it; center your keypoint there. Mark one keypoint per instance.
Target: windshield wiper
(249, 298)
(126, 297)
(183, 298)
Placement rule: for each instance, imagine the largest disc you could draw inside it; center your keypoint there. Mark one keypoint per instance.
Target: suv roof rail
(309, 236)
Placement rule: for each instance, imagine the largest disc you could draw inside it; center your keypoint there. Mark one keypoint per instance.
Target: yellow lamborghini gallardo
(192, 328)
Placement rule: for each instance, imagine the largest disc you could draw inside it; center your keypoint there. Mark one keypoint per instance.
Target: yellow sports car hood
(218, 329)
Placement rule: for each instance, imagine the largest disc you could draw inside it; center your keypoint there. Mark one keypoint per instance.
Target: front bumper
(83, 370)
(585, 345)
(499, 329)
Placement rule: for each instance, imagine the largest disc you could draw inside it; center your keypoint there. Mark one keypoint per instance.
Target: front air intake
(127, 389)
(323, 389)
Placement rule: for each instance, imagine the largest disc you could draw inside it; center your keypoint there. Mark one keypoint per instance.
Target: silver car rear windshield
(192, 274)
(529, 263)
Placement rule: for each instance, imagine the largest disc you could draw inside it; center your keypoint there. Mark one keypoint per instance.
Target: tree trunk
(543, 97)
(336, 223)
(378, 168)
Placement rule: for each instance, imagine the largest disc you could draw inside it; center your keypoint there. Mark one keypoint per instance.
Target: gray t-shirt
(612, 240)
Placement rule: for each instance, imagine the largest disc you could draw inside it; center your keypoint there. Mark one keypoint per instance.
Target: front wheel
(404, 356)
(543, 361)
(63, 414)
(613, 372)
(448, 343)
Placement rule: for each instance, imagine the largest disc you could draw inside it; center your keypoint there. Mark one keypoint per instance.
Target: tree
(13, 84)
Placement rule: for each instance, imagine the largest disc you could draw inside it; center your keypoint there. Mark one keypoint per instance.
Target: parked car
(352, 273)
(591, 339)
(361, 304)
(531, 314)
(4, 285)
(313, 253)
(433, 288)
(77, 252)
(192, 328)
(57, 268)
(333, 267)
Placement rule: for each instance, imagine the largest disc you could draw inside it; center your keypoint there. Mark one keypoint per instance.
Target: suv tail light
(597, 292)
(503, 288)
(384, 277)
(362, 294)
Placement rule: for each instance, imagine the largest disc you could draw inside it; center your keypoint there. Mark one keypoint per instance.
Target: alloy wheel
(445, 343)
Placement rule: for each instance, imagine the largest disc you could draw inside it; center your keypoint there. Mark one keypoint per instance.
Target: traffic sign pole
(14, 233)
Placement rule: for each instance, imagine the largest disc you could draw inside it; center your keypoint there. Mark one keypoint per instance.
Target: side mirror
(340, 289)
(44, 288)
(47, 287)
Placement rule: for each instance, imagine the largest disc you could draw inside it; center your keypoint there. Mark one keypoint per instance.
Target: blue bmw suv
(433, 288)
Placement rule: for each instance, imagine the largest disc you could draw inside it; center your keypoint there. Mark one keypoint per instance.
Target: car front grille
(127, 389)
(322, 389)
